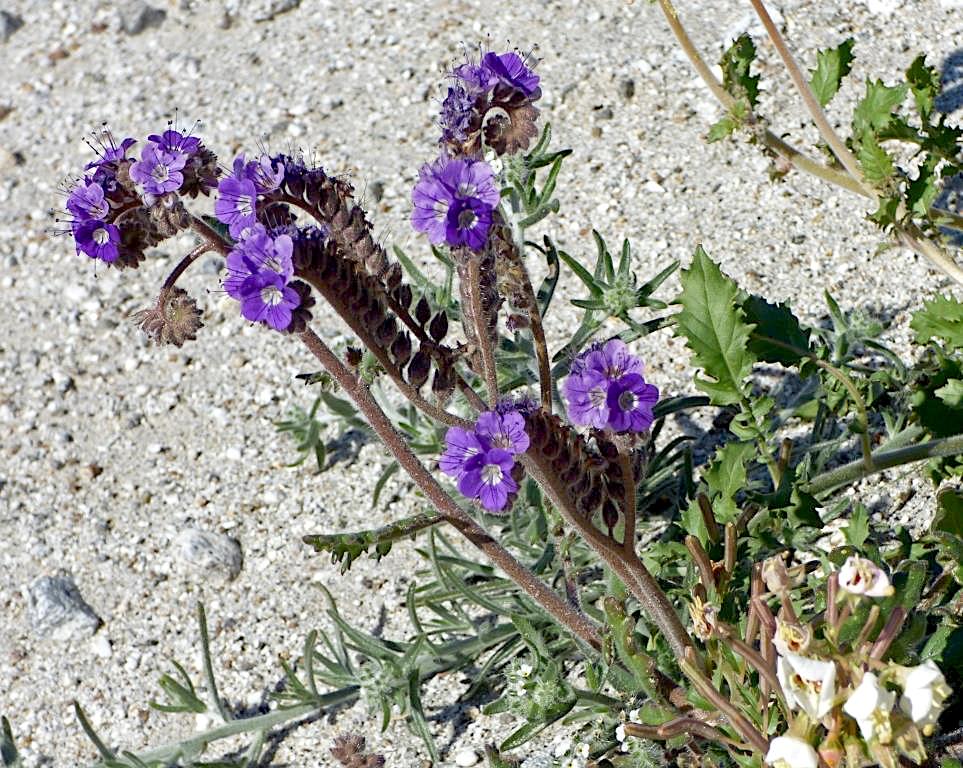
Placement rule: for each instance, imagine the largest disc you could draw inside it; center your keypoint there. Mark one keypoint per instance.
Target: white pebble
(466, 758)
(100, 645)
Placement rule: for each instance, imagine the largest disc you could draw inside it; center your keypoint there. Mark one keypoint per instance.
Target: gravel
(213, 553)
(111, 448)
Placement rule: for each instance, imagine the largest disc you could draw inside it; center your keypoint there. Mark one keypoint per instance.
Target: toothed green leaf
(715, 329)
(832, 65)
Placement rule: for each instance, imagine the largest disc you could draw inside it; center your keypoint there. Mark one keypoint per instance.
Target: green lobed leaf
(721, 129)
(726, 477)
(941, 318)
(949, 513)
(951, 393)
(857, 531)
(875, 110)
(736, 70)
(832, 65)
(715, 329)
(922, 191)
(875, 162)
(777, 337)
(924, 82)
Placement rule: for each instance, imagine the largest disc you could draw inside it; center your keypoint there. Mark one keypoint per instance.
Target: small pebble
(57, 610)
(9, 23)
(627, 88)
(100, 645)
(466, 758)
(136, 16)
(213, 553)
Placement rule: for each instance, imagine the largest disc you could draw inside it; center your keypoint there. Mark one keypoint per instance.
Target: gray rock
(627, 88)
(259, 10)
(214, 553)
(57, 609)
(136, 16)
(9, 23)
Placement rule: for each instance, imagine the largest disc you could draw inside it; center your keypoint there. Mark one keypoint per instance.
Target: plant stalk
(580, 625)
(884, 459)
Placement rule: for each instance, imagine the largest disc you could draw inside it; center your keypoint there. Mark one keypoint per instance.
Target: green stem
(910, 236)
(884, 459)
(374, 537)
(816, 112)
(578, 624)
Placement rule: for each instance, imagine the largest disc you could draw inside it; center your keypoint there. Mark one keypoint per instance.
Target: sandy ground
(109, 448)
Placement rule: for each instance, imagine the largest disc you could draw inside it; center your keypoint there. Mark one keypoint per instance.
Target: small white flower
(790, 752)
(583, 750)
(525, 669)
(562, 746)
(870, 706)
(620, 733)
(860, 576)
(809, 684)
(791, 638)
(573, 762)
(924, 692)
(635, 716)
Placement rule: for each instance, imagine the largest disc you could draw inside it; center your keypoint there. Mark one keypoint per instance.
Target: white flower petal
(790, 752)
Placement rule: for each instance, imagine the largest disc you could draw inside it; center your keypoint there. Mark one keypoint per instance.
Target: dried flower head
(174, 319)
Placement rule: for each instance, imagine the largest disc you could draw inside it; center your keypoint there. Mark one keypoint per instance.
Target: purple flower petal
(630, 402)
(587, 397)
(235, 204)
(462, 445)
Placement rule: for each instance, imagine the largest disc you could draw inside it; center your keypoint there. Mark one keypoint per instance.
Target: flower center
(597, 396)
(492, 474)
(882, 728)
(467, 219)
(101, 236)
(628, 401)
(245, 203)
(271, 295)
(160, 172)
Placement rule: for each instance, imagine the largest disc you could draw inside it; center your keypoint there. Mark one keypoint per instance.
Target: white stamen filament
(492, 474)
(271, 295)
(101, 236)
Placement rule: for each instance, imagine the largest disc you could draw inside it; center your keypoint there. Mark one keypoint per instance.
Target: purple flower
(266, 297)
(630, 402)
(612, 359)
(587, 395)
(110, 152)
(488, 477)
(477, 76)
(267, 173)
(468, 222)
(507, 69)
(235, 204)
(97, 239)
(510, 69)
(175, 143)
(605, 389)
(453, 202)
(159, 171)
(506, 431)
(461, 446)
(86, 201)
(258, 252)
(457, 111)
